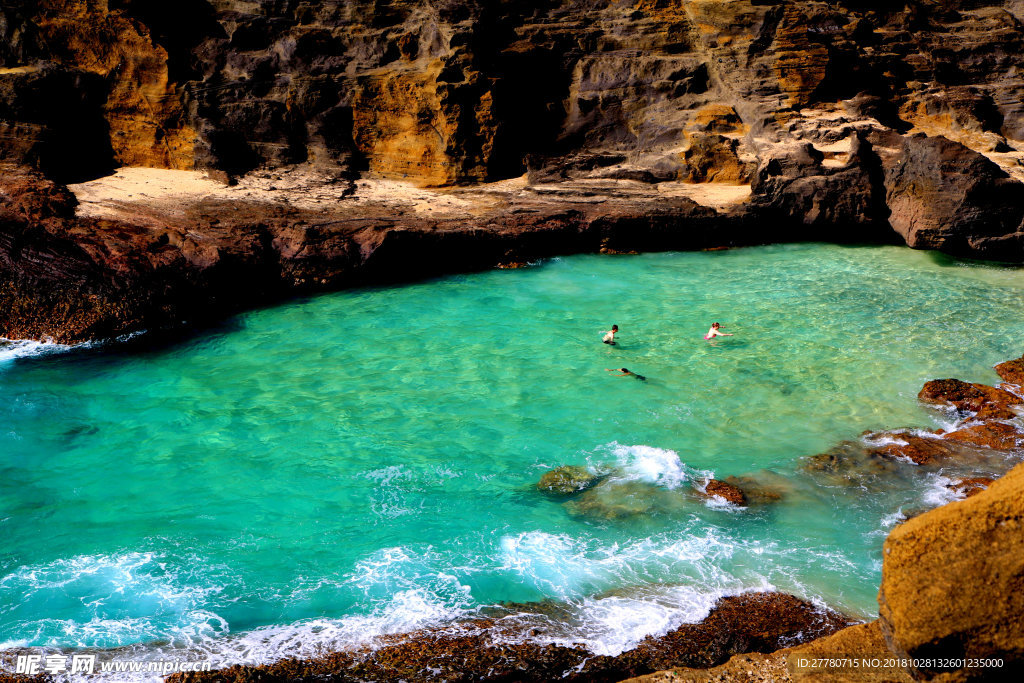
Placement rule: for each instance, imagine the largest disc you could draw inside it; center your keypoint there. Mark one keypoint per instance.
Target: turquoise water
(363, 462)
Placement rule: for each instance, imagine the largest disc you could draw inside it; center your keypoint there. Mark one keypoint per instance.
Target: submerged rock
(567, 479)
(757, 491)
(849, 462)
(615, 499)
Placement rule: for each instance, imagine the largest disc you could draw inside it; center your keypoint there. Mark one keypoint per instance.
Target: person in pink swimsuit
(715, 331)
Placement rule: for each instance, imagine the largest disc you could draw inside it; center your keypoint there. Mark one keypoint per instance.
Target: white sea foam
(880, 439)
(891, 520)
(412, 588)
(13, 349)
(937, 491)
(658, 466)
(127, 597)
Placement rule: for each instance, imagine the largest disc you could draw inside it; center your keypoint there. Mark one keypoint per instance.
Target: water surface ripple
(363, 462)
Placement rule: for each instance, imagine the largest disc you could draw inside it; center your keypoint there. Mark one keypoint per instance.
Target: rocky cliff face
(444, 91)
(850, 121)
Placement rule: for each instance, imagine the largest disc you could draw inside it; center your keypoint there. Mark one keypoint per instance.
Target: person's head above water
(615, 328)
(623, 370)
(716, 325)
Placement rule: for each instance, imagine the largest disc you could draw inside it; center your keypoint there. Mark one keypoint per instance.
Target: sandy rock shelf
(135, 191)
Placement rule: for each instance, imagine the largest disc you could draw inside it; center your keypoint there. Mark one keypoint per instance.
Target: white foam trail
(658, 466)
(129, 597)
(891, 520)
(881, 439)
(612, 625)
(13, 349)
(412, 588)
(938, 492)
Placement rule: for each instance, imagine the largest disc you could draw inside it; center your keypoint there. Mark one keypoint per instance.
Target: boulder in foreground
(953, 584)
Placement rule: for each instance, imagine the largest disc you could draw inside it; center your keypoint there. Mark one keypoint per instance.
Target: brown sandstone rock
(969, 397)
(951, 583)
(920, 450)
(996, 435)
(945, 196)
(728, 492)
(1012, 371)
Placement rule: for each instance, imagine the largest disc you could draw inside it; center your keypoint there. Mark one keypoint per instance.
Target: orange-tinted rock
(728, 492)
(971, 486)
(996, 435)
(969, 397)
(951, 584)
(715, 158)
(1012, 371)
(802, 64)
(718, 118)
(143, 109)
(412, 125)
(920, 450)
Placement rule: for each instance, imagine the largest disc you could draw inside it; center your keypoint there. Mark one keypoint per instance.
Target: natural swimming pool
(364, 462)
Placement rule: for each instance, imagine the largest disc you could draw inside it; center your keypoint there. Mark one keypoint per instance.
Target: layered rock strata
(848, 121)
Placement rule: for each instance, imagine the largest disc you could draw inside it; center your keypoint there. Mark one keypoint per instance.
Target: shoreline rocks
(750, 622)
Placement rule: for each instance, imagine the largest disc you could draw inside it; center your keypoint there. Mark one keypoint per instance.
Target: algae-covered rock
(567, 479)
(759, 492)
(613, 499)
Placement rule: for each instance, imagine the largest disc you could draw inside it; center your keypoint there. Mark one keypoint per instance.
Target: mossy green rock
(567, 479)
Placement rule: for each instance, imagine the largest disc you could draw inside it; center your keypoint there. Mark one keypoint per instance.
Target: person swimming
(626, 373)
(716, 332)
(609, 336)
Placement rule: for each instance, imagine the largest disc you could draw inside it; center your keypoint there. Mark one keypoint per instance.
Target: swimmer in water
(715, 331)
(626, 373)
(609, 336)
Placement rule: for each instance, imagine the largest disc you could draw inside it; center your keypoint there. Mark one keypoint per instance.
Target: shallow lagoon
(363, 462)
